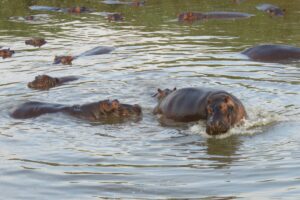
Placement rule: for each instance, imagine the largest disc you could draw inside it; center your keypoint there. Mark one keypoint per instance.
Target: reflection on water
(61, 157)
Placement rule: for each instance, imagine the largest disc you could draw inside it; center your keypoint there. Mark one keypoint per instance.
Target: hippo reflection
(102, 111)
(221, 109)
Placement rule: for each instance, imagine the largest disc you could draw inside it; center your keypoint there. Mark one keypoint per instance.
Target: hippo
(221, 109)
(67, 60)
(135, 3)
(272, 10)
(6, 53)
(272, 53)
(75, 10)
(193, 16)
(36, 42)
(45, 82)
(115, 17)
(101, 111)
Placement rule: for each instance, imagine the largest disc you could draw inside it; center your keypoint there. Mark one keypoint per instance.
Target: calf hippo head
(220, 114)
(65, 60)
(6, 53)
(189, 16)
(43, 82)
(161, 94)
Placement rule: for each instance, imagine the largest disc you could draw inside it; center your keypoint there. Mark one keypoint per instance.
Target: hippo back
(186, 104)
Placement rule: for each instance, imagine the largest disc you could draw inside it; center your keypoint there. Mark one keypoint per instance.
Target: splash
(259, 121)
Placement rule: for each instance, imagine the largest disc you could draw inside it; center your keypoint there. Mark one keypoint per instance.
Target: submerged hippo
(45, 82)
(115, 17)
(272, 52)
(271, 9)
(67, 60)
(221, 109)
(6, 53)
(102, 111)
(131, 3)
(36, 42)
(76, 9)
(193, 16)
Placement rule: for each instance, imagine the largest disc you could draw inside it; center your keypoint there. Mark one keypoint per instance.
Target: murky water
(60, 157)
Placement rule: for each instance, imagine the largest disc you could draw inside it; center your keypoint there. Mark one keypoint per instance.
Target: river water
(59, 157)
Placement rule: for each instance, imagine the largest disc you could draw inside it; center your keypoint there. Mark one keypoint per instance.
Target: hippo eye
(209, 110)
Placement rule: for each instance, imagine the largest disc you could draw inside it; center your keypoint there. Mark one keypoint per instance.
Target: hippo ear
(159, 91)
(115, 104)
(208, 101)
(227, 98)
(174, 88)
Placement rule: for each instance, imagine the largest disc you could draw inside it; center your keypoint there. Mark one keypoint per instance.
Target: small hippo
(272, 10)
(36, 42)
(115, 17)
(6, 53)
(272, 53)
(117, 2)
(45, 82)
(67, 60)
(101, 111)
(220, 109)
(76, 9)
(193, 16)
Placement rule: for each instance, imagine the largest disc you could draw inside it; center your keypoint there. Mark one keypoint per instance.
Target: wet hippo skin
(272, 53)
(6, 53)
(220, 109)
(45, 82)
(96, 111)
(271, 9)
(193, 16)
(36, 42)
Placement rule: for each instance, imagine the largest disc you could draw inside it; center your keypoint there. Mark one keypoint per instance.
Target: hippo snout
(216, 127)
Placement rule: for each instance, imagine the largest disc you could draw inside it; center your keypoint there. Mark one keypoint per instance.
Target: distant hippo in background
(272, 53)
(271, 9)
(131, 3)
(6, 53)
(45, 82)
(36, 42)
(102, 111)
(76, 9)
(67, 60)
(220, 109)
(115, 17)
(193, 16)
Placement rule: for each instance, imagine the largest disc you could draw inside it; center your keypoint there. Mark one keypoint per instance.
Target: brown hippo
(36, 42)
(271, 9)
(78, 10)
(67, 60)
(6, 53)
(102, 111)
(272, 52)
(193, 16)
(45, 82)
(220, 109)
(115, 17)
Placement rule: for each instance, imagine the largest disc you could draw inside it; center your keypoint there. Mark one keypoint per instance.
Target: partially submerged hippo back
(192, 16)
(36, 42)
(221, 109)
(45, 82)
(272, 53)
(101, 111)
(271, 9)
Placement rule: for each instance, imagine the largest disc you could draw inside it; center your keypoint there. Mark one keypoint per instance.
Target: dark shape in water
(45, 82)
(67, 60)
(136, 3)
(220, 109)
(36, 42)
(193, 16)
(115, 17)
(102, 111)
(271, 9)
(6, 53)
(76, 9)
(272, 53)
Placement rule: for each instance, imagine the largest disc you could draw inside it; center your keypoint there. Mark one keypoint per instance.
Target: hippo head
(220, 114)
(6, 53)
(161, 94)
(78, 9)
(66, 60)
(115, 17)
(276, 11)
(189, 16)
(43, 82)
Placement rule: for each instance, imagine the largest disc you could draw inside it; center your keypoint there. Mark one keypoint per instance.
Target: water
(60, 157)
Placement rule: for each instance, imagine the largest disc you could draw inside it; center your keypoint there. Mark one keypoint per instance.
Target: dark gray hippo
(131, 3)
(220, 109)
(67, 60)
(193, 16)
(75, 10)
(101, 111)
(272, 53)
(45, 82)
(271, 9)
